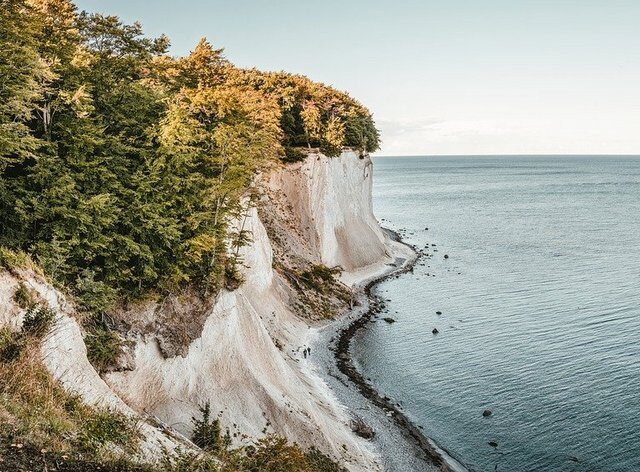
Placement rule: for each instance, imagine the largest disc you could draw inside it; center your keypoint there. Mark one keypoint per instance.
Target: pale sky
(440, 76)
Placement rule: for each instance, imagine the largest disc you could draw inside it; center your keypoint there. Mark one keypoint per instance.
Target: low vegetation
(321, 294)
(320, 277)
(38, 417)
(37, 321)
(23, 296)
(271, 453)
(104, 347)
(13, 260)
(44, 428)
(207, 433)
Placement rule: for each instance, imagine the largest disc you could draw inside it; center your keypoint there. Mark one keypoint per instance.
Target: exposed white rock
(331, 197)
(246, 363)
(236, 366)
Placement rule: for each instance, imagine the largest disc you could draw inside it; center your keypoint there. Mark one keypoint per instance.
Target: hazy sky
(440, 76)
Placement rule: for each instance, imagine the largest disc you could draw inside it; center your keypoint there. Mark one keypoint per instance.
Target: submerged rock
(493, 443)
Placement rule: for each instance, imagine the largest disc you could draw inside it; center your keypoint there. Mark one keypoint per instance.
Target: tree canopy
(122, 168)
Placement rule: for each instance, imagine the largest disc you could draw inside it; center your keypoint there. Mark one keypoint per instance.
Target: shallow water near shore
(540, 302)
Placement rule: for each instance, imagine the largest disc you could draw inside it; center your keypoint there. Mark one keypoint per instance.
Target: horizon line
(506, 155)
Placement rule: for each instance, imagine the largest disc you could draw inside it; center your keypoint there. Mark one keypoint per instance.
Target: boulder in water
(389, 320)
(486, 413)
(435, 331)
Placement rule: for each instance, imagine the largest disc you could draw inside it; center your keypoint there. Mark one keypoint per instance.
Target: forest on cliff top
(121, 167)
(122, 171)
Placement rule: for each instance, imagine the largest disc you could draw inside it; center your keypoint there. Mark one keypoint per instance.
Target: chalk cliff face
(331, 200)
(247, 363)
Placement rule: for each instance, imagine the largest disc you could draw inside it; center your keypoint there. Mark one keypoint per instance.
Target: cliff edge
(313, 218)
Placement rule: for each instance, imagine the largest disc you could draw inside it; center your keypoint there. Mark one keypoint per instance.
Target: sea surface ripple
(540, 302)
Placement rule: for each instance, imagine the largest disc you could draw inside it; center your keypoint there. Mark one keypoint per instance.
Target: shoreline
(345, 330)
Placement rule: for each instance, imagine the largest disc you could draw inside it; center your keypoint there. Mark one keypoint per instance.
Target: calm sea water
(540, 302)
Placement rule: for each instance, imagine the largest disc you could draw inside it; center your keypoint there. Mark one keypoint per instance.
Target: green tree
(24, 78)
(125, 170)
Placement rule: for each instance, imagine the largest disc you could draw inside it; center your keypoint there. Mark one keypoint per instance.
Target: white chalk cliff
(247, 362)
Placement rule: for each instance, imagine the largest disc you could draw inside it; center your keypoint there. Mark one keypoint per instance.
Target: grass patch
(23, 296)
(11, 345)
(104, 427)
(320, 277)
(35, 409)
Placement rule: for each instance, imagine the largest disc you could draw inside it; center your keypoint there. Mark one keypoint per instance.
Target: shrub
(233, 278)
(274, 454)
(292, 154)
(103, 347)
(207, 433)
(23, 296)
(319, 277)
(37, 320)
(270, 454)
(10, 259)
(320, 462)
(185, 461)
(94, 296)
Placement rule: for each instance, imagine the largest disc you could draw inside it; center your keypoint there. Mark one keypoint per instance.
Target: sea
(531, 276)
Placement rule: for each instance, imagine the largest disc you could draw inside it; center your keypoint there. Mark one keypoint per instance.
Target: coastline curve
(341, 347)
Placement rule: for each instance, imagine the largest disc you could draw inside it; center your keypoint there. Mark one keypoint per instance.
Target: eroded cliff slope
(247, 363)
